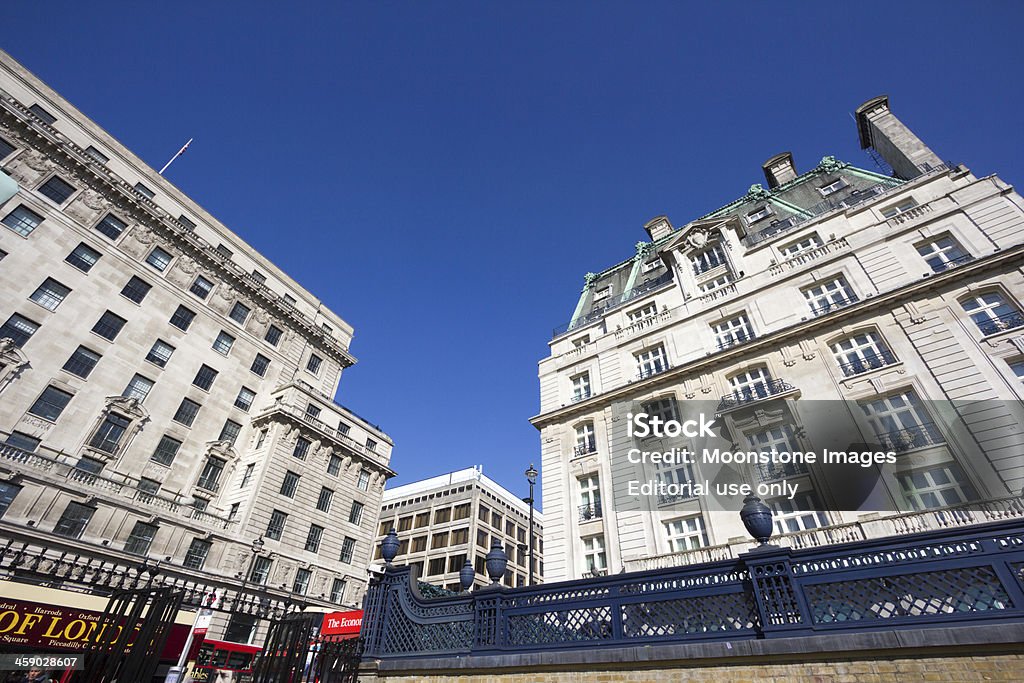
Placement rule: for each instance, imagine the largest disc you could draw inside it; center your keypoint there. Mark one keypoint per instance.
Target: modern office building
(891, 297)
(166, 392)
(445, 520)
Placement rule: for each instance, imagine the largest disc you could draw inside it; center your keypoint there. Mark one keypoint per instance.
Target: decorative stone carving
(36, 160)
(12, 362)
(697, 238)
(129, 405)
(643, 249)
(757, 192)
(261, 316)
(188, 265)
(226, 292)
(143, 234)
(223, 450)
(829, 164)
(589, 279)
(93, 199)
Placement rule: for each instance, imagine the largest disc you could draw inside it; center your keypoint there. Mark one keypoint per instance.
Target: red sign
(342, 623)
(54, 627)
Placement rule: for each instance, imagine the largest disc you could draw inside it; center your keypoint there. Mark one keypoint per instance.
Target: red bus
(219, 661)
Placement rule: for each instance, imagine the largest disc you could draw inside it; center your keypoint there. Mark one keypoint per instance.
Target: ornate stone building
(445, 520)
(166, 392)
(891, 297)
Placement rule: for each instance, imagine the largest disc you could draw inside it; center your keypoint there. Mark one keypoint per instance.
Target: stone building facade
(445, 520)
(894, 296)
(166, 392)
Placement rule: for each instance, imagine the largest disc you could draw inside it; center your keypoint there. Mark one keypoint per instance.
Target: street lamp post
(531, 476)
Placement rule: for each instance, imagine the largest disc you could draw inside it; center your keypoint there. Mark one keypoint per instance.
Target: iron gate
(295, 652)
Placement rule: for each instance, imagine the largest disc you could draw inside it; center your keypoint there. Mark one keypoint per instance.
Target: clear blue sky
(442, 174)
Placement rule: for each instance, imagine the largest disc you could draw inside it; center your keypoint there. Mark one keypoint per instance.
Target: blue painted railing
(933, 579)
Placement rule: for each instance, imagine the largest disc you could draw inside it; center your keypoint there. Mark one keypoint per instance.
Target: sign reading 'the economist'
(342, 624)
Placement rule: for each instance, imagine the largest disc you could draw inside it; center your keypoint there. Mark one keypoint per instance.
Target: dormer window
(832, 187)
(602, 294)
(905, 205)
(708, 259)
(759, 214)
(650, 265)
(580, 342)
(648, 311)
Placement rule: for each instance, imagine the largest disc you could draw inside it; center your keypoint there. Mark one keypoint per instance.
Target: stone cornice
(772, 340)
(70, 157)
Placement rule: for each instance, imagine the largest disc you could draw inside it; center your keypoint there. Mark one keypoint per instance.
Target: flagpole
(180, 152)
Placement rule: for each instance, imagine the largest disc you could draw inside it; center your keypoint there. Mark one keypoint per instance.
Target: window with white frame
(905, 205)
(159, 258)
(663, 408)
(363, 481)
(829, 295)
(22, 221)
(901, 422)
(780, 439)
(594, 558)
(585, 440)
(798, 514)
(753, 383)
(651, 361)
(581, 386)
(223, 343)
(209, 478)
(936, 487)
(800, 246)
(160, 353)
(1018, 369)
(712, 285)
(649, 266)
(687, 533)
(139, 387)
(759, 214)
(647, 311)
(832, 187)
(733, 331)
(992, 312)
(943, 253)
(603, 293)
(590, 497)
(580, 342)
(673, 476)
(708, 259)
(861, 352)
(50, 294)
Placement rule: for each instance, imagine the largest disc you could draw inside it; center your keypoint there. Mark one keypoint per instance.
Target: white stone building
(895, 297)
(166, 392)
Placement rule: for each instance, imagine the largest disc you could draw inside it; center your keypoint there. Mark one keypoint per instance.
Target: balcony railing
(589, 512)
(952, 263)
(824, 307)
(776, 227)
(655, 369)
(585, 448)
(1002, 323)
(902, 440)
(613, 302)
(871, 361)
(758, 392)
(581, 396)
(732, 340)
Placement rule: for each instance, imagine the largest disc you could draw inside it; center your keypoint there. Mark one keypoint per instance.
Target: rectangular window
(832, 187)
(159, 259)
(258, 276)
(481, 538)
(136, 289)
(96, 154)
(435, 566)
(245, 398)
(709, 259)
(19, 329)
(594, 557)
(109, 325)
(22, 221)
(422, 520)
(260, 573)
(187, 411)
(56, 190)
(224, 251)
(798, 514)
(205, 377)
(338, 590)
(651, 362)
(6, 148)
(301, 583)
(496, 519)
(313, 538)
(160, 353)
(50, 404)
(201, 287)
(581, 387)
(229, 432)
(781, 439)
(590, 497)
(140, 539)
(195, 558)
(711, 285)
(355, 514)
(419, 544)
(830, 295)
(323, 503)
(334, 465)
(111, 226)
(209, 478)
(936, 487)
(187, 222)
(313, 410)
(289, 484)
(233, 511)
(83, 257)
(313, 364)
(602, 294)
(222, 344)
(759, 214)
(686, 534)
(276, 525)
(461, 511)
(648, 311)
(240, 312)
(371, 445)
(144, 191)
(166, 450)
(801, 246)
(42, 114)
(110, 432)
(22, 441)
(82, 362)
(149, 487)
(247, 475)
(861, 352)
(733, 331)
(460, 536)
(8, 492)
(139, 387)
(442, 515)
(182, 318)
(439, 540)
(893, 211)
(301, 448)
(273, 335)
(260, 364)
(901, 422)
(73, 520)
(50, 294)
(343, 428)
(943, 253)
(261, 438)
(363, 483)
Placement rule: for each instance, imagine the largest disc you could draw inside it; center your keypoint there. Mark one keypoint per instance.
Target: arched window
(585, 439)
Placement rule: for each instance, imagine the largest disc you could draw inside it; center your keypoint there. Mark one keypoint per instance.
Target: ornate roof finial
(829, 164)
(589, 279)
(643, 249)
(758, 192)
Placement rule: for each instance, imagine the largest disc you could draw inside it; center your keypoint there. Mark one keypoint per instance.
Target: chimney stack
(779, 169)
(879, 129)
(658, 227)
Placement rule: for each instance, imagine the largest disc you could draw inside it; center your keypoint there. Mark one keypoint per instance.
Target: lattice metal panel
(559, 596)
(565, 626)
(776, 588)
(932, 551)
(679, 583)
(730, 612)
(1018, 571)
(947, 592)
(403, 635)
